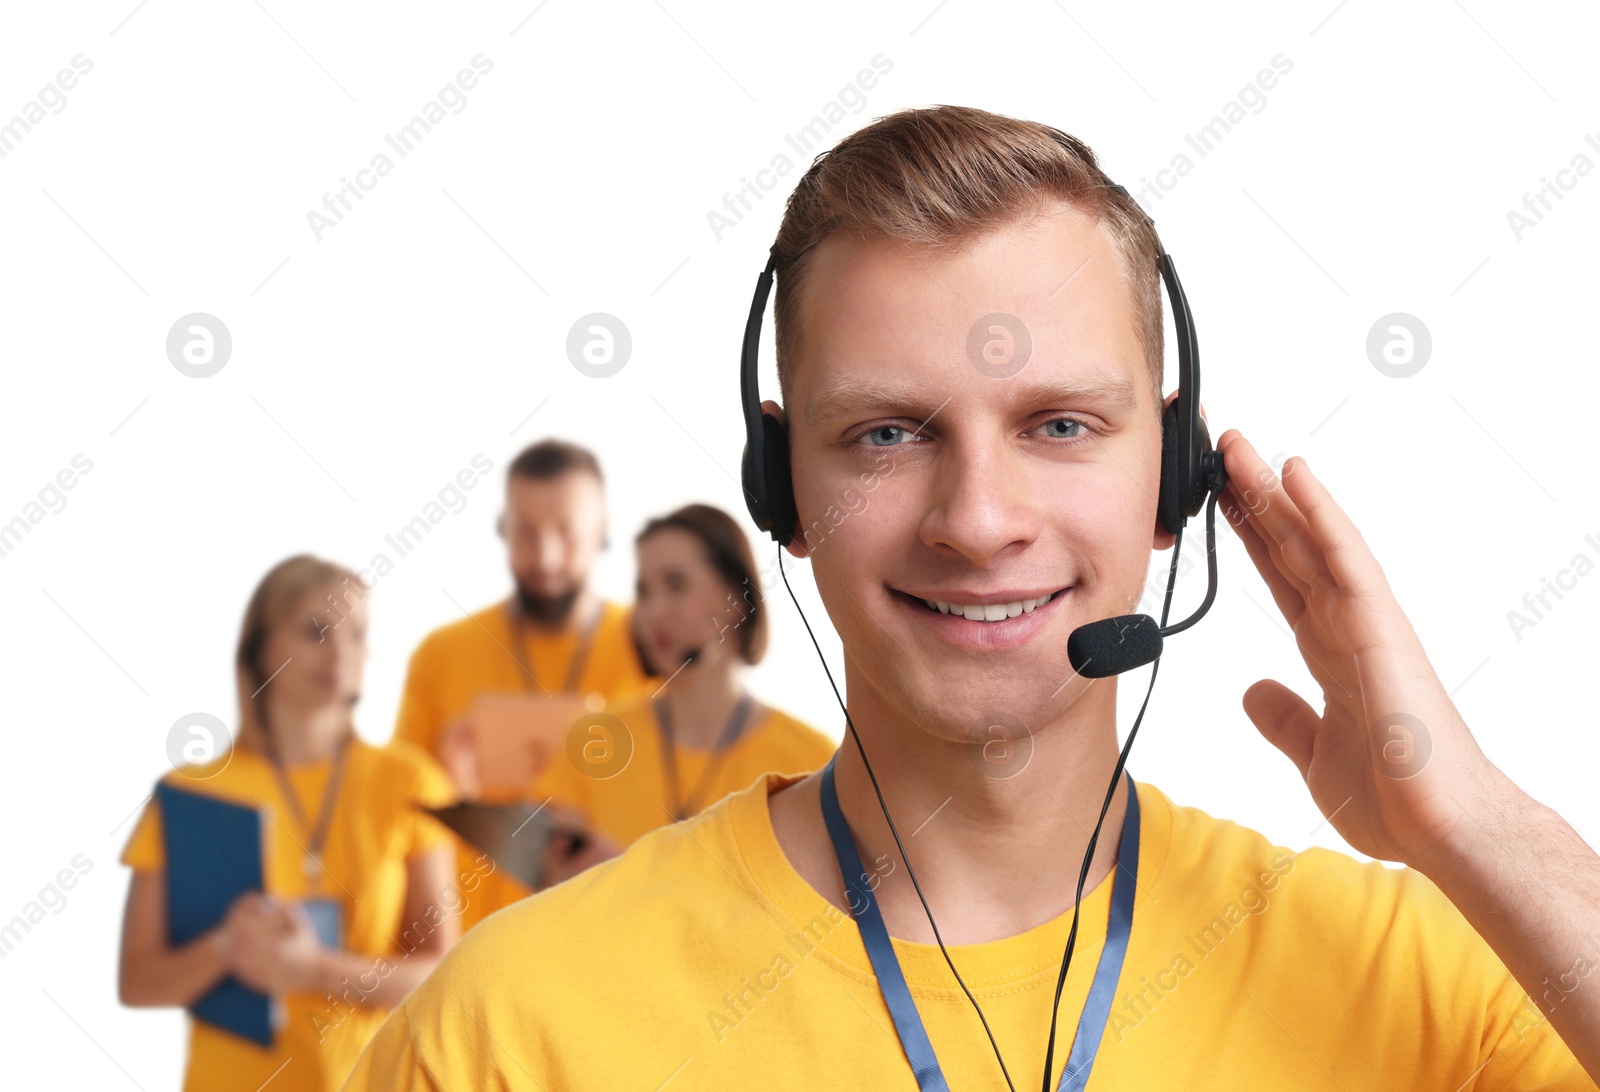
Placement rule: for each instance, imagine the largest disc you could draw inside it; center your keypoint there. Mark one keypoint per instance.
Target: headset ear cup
(780, 485)
(1169, 510)
(755, 487)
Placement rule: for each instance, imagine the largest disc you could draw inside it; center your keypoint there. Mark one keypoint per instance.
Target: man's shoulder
(1322, 895)
(1199, 842)
(481, 627)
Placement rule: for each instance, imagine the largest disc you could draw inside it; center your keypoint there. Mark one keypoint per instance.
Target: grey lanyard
(580, 655)
(316, 832)
(730, 732)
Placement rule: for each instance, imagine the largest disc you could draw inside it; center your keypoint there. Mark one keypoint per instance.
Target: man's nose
(981, 503)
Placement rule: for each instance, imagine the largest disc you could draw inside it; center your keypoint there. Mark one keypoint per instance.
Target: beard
(549, 610)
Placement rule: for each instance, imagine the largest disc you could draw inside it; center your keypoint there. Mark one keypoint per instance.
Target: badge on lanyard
(327, 918)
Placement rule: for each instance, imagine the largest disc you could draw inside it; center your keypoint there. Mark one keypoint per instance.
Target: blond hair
(939, 177)
(278, 592)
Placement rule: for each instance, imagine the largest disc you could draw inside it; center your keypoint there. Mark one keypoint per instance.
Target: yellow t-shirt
(457, 662)
(701, 958)
(628, 801)
(375, 829)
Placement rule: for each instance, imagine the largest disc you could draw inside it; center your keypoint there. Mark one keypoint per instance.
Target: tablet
(517, 735)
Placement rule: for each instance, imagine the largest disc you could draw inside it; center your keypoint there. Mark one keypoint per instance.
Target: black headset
(1189, 466)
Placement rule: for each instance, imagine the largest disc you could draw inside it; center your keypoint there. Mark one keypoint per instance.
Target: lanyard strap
(730, 732)
(316, 832)
(1119, 924)
(891, 980)
(580, 654)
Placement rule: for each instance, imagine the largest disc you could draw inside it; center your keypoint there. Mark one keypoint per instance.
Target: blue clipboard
(214, 854)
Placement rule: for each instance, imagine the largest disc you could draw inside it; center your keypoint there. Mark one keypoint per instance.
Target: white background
(372, 365)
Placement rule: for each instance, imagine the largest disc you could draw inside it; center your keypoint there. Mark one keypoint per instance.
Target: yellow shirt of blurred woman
(376, 828)
(700, 959)
(618, 776)
(457, 662)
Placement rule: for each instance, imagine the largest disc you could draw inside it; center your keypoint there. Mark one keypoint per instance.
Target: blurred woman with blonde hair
(345, 836)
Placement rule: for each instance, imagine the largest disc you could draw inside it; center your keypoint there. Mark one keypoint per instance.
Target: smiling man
(1017, 504)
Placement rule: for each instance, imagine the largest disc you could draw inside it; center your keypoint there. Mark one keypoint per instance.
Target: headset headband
(1189, 464)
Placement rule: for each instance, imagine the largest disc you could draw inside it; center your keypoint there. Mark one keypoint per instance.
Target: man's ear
(1165, 539)
(797, 546)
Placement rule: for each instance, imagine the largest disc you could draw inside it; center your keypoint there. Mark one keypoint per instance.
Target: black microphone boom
(1111, 646)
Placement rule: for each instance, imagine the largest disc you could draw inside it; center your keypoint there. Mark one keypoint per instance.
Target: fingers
(1273, 512)
(1344, 551)
(1285, 720)
(458, 732)
(1290, 602)
(296, 916)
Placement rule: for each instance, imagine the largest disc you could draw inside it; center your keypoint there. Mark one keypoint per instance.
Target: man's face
(919, 475)
(553, 528)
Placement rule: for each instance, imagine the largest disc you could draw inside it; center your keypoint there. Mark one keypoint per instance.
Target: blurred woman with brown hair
(700, 622)
(345, 836)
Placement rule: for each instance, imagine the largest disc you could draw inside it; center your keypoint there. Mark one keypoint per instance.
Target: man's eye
(1067, 428)
(887, 435)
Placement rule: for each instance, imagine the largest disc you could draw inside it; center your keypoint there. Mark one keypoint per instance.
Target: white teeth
(989, 612)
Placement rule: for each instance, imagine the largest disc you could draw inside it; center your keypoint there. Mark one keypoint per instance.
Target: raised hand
(1389, 759)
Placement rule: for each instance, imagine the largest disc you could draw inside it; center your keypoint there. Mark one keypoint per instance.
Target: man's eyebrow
(851, 396)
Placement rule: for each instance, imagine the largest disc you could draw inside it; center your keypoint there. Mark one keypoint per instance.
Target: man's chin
(969, 710)
(550, 610)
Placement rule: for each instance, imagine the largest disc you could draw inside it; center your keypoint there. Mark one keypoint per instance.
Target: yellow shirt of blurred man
(457, 662)
(376, 828)
(620, 781)
(700, 959)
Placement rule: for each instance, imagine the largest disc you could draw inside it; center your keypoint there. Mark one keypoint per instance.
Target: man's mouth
(993, 622)
(989, 612)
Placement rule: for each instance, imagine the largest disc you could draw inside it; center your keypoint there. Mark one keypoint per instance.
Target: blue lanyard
(903, 1010)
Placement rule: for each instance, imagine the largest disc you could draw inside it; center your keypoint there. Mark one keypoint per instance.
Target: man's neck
(994, 856)
(583, 609)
